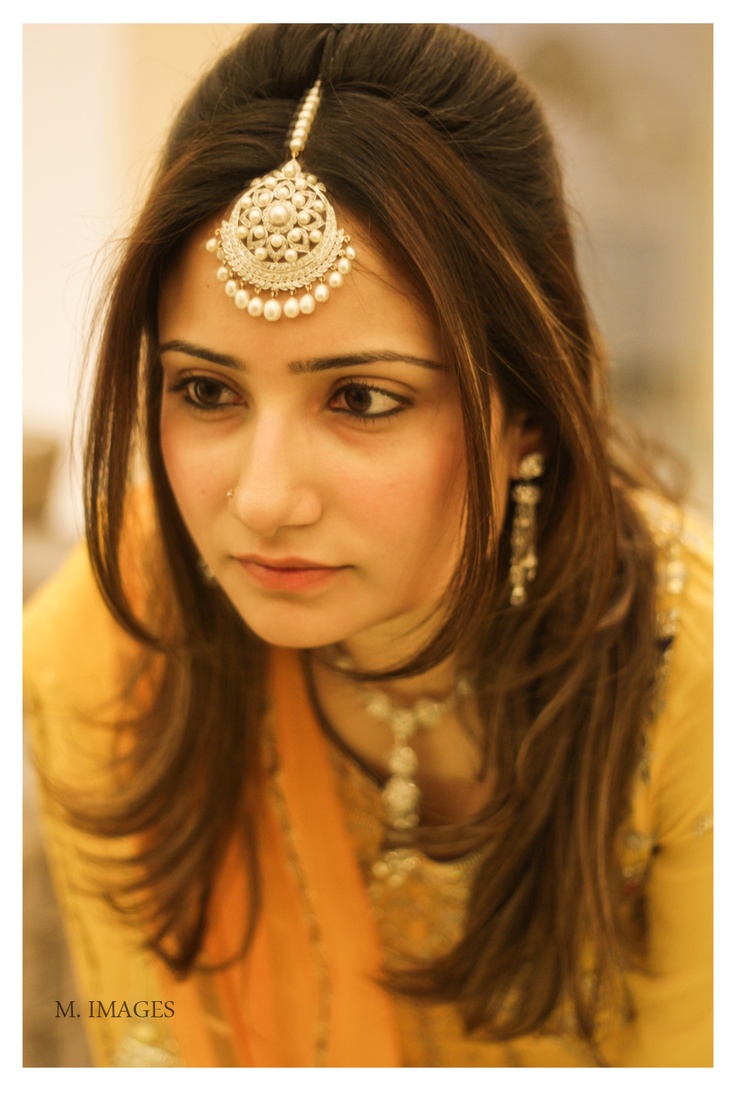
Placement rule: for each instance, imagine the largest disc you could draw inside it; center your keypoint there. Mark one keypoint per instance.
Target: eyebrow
(307, 366)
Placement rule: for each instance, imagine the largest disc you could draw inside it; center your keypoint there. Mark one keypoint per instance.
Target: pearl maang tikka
(281, 235)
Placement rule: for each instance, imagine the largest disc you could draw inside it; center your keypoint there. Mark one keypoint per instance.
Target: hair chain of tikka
(281, 235)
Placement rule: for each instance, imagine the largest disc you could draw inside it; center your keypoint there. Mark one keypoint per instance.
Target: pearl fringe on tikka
(281, 236)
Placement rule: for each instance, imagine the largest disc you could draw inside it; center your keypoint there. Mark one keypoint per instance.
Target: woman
(387, 742)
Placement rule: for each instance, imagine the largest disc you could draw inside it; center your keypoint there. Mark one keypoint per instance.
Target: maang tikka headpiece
(281, 236)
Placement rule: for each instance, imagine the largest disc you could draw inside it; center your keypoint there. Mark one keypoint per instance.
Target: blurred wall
(631, 105)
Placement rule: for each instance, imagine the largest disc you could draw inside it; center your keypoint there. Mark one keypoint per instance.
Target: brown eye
(365, 402)
(207, 392)
(358, 399)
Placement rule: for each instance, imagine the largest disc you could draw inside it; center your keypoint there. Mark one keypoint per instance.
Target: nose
(275, 487)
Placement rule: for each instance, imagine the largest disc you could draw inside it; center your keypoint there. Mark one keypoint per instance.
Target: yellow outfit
(305, 994)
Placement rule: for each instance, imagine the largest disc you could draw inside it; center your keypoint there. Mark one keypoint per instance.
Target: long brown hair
(430, 139)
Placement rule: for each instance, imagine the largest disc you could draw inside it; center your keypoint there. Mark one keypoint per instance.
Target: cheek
(194, 470)
(414, 502)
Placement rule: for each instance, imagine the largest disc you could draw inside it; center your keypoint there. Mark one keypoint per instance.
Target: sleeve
(73, 652)
(673, 996)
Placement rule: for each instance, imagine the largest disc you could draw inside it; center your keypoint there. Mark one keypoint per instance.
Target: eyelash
(186, 384)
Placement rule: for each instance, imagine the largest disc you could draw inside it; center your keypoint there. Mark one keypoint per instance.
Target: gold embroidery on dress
(423, 917)
(702, 825)
(143, 1046)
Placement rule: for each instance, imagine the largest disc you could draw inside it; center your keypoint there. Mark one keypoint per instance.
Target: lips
(287, 574)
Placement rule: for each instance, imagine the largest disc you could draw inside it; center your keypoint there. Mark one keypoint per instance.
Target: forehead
(376, 307)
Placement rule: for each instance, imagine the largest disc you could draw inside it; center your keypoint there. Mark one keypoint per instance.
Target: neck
(448, 751)
(386, 647)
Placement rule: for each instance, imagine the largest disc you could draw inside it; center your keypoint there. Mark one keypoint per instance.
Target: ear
(525, 435)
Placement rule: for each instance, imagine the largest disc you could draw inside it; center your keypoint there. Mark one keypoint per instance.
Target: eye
(204, 392)
(207, 392)
(363, 400)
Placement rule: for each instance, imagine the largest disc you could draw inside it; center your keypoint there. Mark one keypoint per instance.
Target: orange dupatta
(305, 993)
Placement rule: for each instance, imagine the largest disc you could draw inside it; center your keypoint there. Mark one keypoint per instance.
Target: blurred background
(631, 105)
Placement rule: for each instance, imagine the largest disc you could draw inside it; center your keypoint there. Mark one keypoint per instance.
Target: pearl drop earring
(526, 497)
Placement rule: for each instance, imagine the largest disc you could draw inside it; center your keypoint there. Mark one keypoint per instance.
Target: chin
(290, 627)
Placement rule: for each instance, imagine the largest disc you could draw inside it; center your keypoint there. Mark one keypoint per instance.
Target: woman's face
(340, 435)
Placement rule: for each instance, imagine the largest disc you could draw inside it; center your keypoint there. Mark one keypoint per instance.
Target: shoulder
(684, 602)
(84, 676)
(667, 839)
(73, 647)
(680, 738)
(684, 543)
(684, 546)
(72, 656)
(71, 643)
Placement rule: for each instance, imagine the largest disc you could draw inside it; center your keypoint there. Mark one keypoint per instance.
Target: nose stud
(229, 494)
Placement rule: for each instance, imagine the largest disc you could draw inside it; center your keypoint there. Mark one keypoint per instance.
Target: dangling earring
(526, 497)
